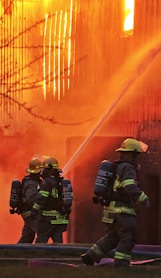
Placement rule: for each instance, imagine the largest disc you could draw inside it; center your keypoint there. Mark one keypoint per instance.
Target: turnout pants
(28, 231)
(121, 235)
(47, 230)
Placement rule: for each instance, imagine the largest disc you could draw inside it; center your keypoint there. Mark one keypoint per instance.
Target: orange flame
(128, 24)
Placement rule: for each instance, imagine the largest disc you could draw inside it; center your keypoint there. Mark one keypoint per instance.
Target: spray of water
(143, 60)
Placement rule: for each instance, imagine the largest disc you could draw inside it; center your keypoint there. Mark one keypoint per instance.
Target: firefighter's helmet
(132, 145)
(50, 163)
(35, 166)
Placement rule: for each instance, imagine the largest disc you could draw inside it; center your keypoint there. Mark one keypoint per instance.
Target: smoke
(46, 125)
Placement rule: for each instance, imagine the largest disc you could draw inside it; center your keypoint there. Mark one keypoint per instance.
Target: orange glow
(57, 50)
(50, 49)
(59, 53)
(44, 54)
(66, 73)
(69, 42)
(54, 55)
(64, 41)
(128, 24)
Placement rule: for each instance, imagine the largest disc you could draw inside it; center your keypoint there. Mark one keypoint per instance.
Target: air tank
(67, 193)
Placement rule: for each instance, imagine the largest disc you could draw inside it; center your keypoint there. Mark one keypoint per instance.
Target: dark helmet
(50, 163)
(34, 166)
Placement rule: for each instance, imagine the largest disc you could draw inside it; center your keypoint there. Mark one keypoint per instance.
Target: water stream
(140, 62)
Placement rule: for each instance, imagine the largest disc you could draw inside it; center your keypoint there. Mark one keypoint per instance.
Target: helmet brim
(126, 150)
(35, 171)
(56, 168)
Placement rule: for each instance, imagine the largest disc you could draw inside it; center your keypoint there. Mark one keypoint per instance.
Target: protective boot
(87, 259)
(121, 263)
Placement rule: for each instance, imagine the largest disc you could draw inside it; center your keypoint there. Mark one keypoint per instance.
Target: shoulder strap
(57, 183)
(27, 180)
(111, 182)
(114, 168)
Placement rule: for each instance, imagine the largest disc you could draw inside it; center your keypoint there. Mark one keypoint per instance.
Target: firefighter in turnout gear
(54, 218)
(30, 186)
(119, 215)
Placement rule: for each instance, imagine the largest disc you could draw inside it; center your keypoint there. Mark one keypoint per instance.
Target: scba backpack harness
(17, 193)
(103, 187)
(67, 194)
(16, 197)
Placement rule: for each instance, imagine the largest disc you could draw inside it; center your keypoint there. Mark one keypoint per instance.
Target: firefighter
(30, 186)
(120, 214)
(54, 217)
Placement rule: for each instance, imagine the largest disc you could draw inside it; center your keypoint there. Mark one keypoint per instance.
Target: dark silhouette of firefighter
(22, 198)
(119, 214)
(53, 202)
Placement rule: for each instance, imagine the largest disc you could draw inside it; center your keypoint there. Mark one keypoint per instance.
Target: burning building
(76, 75)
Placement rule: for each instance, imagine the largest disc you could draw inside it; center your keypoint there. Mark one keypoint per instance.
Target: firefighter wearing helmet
(30, 187)
(119, 214)
(54, 218)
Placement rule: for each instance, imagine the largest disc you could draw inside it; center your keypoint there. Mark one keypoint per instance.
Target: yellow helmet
(132, 145)
(34, 166)
(50, 162)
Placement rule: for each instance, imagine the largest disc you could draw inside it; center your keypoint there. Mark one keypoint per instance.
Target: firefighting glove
(95, 199)
(34, 213)
(146, 203)
(68, 211)
(64, 210)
